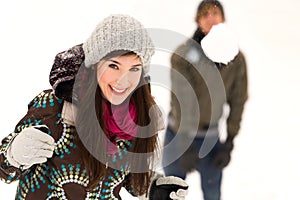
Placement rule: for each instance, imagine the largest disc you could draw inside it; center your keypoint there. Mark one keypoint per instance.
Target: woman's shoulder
(43, 109)
(45, 99)
(44, 106)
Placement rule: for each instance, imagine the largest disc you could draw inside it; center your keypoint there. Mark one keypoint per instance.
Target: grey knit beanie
(118, 32)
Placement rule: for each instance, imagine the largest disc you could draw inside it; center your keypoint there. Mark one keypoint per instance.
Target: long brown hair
(91, 113)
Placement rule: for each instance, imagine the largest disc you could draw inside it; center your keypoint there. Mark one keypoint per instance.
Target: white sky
(265, 160)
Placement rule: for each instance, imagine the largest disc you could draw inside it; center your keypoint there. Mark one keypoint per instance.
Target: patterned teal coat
(62, 176)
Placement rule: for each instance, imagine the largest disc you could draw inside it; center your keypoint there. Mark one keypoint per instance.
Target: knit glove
(189, 160)
(169, 187)
(31, 146)
(222, 155)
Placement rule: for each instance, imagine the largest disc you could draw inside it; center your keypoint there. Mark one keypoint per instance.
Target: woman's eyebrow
(137, 65)
(114, 61)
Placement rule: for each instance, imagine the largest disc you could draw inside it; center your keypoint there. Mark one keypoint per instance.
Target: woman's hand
(31, 146)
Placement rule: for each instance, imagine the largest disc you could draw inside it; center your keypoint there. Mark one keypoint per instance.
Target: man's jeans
(210, 175)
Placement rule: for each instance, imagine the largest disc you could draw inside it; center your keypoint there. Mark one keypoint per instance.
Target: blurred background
(265, 162)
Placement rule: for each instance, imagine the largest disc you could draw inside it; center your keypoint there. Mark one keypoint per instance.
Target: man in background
(214, 53)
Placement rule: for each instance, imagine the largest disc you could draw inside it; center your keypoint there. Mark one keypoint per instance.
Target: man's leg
(211, 177)
(171, 166)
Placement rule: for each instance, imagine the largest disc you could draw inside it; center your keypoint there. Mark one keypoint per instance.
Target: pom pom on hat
(118, 32)
(220, 44)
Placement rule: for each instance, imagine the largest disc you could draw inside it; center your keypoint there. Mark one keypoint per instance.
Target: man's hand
(170, 187)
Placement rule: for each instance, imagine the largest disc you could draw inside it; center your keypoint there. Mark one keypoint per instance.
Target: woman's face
(119, 76)
(211, 16)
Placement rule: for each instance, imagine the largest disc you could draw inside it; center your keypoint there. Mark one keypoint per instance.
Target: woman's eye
(134, 69)
(113, 66)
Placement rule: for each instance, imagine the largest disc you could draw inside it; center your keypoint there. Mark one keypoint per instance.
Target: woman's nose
(123, 79)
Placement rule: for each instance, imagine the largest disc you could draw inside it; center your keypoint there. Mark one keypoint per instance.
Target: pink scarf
(120, 122)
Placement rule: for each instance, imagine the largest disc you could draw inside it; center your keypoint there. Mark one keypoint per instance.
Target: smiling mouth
(118, 91)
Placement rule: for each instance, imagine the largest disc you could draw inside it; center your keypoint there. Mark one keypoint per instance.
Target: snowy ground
(265, 160)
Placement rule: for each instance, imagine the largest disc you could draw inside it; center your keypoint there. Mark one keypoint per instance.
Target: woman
(96, 131)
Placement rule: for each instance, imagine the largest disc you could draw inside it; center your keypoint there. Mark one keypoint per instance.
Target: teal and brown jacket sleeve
(43, 107)
(8, 173)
